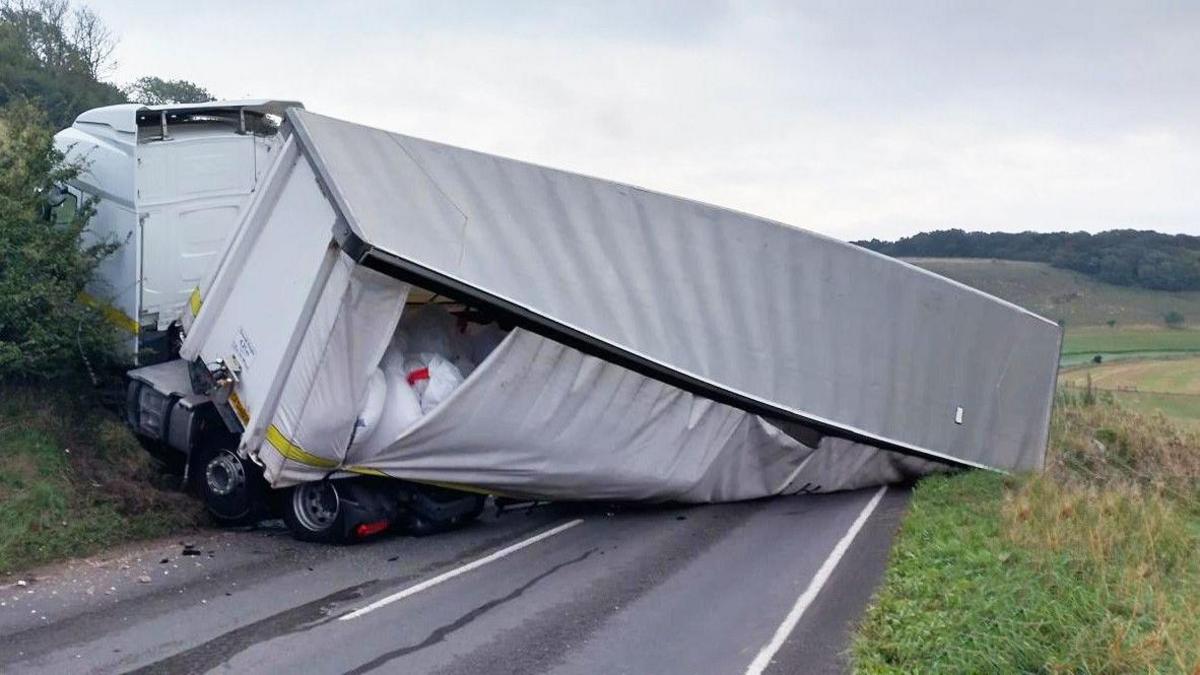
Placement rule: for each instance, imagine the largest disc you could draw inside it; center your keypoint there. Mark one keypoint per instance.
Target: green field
(1175, 376)
(1168, 386)
(1093, 340)
(1182, 409)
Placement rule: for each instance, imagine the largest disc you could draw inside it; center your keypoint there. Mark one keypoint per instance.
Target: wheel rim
(225, 474)
(316, 505)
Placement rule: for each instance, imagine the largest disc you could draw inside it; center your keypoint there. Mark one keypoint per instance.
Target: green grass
(1059, 294)
(1180, 409)
(1103, 340)
(73, 481)
(1075, 360)
(956, 601)
(1090, 567)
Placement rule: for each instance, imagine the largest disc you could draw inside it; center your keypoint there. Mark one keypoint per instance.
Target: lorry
(393, 328)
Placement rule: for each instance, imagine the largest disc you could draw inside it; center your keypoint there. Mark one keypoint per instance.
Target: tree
(1111, 323)
(53, 55)
(61, 36)
(152, 90)
(1173, 319)
(45, 326)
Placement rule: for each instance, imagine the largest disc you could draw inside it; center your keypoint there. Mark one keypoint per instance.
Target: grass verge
(1090, 567)
(73, 480)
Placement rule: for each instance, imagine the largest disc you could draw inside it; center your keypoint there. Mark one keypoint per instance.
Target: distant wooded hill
(1123, 257)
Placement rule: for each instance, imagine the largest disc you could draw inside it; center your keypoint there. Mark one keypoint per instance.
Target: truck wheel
(314, 512)
(228, 486)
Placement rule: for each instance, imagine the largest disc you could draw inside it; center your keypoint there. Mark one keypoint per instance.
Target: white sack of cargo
(664, 349)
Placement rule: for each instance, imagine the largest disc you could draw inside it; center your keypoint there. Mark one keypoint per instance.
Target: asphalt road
(769, 586)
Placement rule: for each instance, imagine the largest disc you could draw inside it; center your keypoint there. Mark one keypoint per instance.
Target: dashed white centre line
(760, 662)
(446, 576)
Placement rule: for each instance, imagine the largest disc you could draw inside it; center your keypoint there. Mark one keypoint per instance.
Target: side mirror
(61, 206)
(57, 195)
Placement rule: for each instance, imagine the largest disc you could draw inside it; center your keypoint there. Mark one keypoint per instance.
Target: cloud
(855, 120)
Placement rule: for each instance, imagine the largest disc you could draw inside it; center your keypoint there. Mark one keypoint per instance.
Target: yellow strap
(296, 453)
(112, 314)
(194, 301)
(239, 407)
(449, 486)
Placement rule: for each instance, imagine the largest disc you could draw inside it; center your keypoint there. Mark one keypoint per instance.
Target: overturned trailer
(654, 348)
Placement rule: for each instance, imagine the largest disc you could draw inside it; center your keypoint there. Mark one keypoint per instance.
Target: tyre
(442, 510)
(479, 503)
(315, 512)
(230, 487)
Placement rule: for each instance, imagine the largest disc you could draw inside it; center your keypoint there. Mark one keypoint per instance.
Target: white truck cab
(171, 182)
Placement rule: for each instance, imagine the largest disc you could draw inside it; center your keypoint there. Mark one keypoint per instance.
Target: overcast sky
(855, 120)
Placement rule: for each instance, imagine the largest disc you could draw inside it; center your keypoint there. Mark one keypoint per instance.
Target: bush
(46, 330)
(1173, 319)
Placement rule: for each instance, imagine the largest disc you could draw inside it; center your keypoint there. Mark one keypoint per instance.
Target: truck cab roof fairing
(123, 116)
(770, 318)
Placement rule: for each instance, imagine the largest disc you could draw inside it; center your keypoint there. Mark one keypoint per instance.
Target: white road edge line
(760, 662)
(446, 576)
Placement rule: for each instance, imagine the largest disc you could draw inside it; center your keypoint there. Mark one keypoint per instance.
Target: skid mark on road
(213, 652)
(204, 657)
(446, 576)
(537, 643)
(439, 634)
